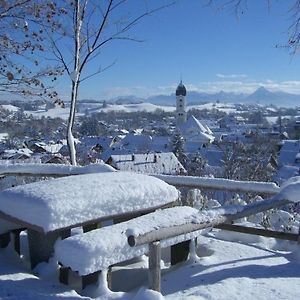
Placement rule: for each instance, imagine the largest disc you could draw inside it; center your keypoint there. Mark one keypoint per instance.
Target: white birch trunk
(75, 84)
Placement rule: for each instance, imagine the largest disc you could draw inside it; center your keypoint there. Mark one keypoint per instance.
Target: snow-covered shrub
(281, 220)
(235, 200)
(201, 201)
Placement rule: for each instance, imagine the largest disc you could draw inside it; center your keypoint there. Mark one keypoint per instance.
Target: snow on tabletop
(34, 168)
(103, 247)
(290, 190)
(63, 202)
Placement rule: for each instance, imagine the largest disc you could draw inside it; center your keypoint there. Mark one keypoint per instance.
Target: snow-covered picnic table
(49, 209)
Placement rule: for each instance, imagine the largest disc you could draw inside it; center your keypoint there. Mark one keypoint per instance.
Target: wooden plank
(154, 266)
(90, 227)
(259, 231)
(19, 222)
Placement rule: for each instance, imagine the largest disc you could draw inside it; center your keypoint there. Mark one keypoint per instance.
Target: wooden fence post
(154, 266)
(299, 235)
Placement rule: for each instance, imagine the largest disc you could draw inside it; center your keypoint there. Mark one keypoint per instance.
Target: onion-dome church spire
(180, 104)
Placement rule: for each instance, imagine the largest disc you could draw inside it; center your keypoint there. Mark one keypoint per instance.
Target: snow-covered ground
(229, 266)
(56, 112)
(10, 107)
(63, 113)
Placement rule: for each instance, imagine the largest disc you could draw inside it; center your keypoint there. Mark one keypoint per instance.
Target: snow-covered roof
(65, 202)
(135, 142)
(3, 136)
(286, 172)
(151, 163)
(192, 122)
(90, 141)
(200, 137)
(195, 131)
(16, 153)
(51, 147)
(288, 152)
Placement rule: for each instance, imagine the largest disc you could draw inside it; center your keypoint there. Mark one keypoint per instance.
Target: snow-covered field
(229, 266)
(63, 113)
(9, 107)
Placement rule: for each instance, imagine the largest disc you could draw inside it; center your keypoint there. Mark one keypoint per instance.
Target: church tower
(180, 104)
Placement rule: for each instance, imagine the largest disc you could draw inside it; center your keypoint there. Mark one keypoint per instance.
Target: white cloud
(231, 76)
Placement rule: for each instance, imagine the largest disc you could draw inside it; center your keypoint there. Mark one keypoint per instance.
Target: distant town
(236, 141)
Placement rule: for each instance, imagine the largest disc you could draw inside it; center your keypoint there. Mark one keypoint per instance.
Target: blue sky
(209, 49)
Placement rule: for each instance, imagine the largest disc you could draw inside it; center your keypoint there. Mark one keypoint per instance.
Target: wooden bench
(50, 209)
(90, 253)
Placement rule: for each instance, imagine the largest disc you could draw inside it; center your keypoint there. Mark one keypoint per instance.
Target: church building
(196, 135)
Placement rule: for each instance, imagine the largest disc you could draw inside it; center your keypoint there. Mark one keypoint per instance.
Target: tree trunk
(70, 137)
(75, 76)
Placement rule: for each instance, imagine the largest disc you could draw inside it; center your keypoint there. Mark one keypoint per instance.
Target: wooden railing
(220, 217)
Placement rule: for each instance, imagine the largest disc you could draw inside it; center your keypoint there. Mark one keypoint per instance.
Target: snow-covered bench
(50, 209)
(97, 250)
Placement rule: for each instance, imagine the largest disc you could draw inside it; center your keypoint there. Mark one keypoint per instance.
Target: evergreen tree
(178, 145)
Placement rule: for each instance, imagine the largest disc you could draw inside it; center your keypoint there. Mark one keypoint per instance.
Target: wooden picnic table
(50, 209)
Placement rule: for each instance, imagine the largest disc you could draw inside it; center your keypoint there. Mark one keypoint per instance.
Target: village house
(149, 163)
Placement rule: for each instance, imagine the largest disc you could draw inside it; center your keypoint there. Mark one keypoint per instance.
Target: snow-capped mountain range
(261, 96)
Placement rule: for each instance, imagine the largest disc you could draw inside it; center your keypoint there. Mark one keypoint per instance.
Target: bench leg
(90, 279)
(16, 239)
(154, 266)
(180, 252)
(41, 246)
(4, 240)
(94, 277)
(64, 275)
(109, 278)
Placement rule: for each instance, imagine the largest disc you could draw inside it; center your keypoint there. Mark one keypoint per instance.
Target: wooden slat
(259, 231)
(21, 223)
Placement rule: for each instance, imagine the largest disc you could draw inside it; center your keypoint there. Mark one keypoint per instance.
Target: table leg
(41, 245)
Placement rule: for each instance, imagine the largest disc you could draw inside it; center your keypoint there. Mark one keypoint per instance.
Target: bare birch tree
(22, 47)
(88, 27)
